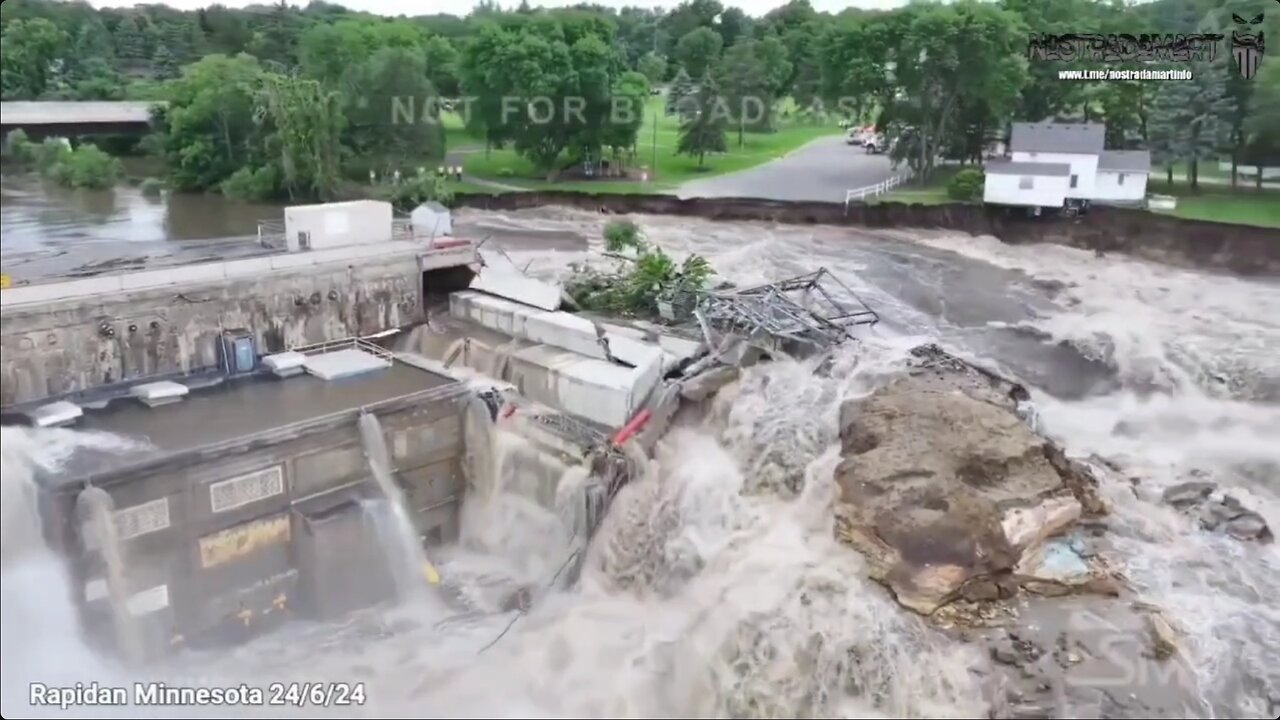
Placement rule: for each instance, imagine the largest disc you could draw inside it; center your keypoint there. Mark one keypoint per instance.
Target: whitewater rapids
(712, 592)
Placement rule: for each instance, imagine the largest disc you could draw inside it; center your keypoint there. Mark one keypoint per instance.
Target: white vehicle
(854, 136)
(874, 143)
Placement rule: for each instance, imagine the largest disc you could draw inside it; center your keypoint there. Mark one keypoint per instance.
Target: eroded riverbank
(745, 604)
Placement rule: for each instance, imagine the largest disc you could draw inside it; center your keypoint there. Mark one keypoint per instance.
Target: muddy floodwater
(741, 604)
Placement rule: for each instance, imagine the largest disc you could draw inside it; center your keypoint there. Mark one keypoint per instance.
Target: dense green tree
(953, 56)
(443, 65)
(743, 83)
(681, 88)
(327, 52)
(699, 50)
(165, 63)
(392, 110)
(734, 25)
(209, 129)
(305, 124)
(654, 67)
(1191, 120)
(684, 19)
(703, 130)
(130, 43)
(30, 52)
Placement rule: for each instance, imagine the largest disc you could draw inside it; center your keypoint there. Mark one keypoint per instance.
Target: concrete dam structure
(272, 452)
(63, 339)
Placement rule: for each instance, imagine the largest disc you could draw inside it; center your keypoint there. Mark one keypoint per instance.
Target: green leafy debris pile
(643, 276)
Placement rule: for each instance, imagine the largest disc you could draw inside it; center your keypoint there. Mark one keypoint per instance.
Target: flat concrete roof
(240, 409)
(72, 112)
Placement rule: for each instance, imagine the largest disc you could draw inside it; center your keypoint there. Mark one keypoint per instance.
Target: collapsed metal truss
(814, 310)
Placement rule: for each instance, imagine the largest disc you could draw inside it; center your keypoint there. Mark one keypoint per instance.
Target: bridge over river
(43, 119)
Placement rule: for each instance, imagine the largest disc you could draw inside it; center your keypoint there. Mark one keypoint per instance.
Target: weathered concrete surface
(51, 349)
(946, 490)
(225, 539)
(1243, 249)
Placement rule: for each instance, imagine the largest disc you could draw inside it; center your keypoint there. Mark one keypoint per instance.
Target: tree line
(281, 100)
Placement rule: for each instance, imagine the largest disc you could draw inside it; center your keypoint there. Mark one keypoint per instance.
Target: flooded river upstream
(745, 606)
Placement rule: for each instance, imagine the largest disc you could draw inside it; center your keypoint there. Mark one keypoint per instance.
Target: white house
(1058, 164)
(1026, 184)
(1122, 176)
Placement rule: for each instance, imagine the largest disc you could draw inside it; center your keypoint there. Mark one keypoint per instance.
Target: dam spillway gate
(215, 534)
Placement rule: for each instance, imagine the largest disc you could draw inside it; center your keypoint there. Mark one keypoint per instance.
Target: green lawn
(1220, 203)
(654, 150)
(933, 192)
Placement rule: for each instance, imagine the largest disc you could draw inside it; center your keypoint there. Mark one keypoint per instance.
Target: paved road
(822, 170)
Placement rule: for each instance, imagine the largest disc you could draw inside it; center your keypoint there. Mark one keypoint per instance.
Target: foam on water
(1196, 357)
(715, 588)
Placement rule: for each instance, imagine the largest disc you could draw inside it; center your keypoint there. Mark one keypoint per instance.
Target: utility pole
(655, 143)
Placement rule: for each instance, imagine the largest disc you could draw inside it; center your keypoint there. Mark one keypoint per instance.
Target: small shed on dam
(431, 219)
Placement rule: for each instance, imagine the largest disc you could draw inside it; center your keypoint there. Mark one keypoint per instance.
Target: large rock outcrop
(948, 492)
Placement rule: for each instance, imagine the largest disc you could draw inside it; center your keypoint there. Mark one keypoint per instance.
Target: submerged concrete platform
(248, 407)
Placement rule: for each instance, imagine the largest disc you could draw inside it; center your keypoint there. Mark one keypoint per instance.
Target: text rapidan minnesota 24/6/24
(283, 694)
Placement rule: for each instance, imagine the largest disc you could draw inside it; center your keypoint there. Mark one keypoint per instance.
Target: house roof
(1081, 138)
(1125, 161)
(1007, 167)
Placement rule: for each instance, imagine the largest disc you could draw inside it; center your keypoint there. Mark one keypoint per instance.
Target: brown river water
(750, 609)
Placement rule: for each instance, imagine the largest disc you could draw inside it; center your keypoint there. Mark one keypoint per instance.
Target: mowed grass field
(1220, 203)
(1244, 205)
(655, 155)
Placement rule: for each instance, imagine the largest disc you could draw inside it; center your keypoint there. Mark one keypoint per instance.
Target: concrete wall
(273, 529)
(1199, 244)
(58, 347)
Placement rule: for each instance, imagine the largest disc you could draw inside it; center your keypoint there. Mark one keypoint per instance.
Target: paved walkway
(822, 170)
(455, 158)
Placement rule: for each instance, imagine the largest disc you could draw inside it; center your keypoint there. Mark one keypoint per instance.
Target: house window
(304, 241)
(1075, 179)
(1120, 179)
(1026, 182)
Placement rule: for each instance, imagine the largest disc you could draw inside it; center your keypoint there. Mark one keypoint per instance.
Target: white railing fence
(271, 234)
(351, 343)
(870, 191)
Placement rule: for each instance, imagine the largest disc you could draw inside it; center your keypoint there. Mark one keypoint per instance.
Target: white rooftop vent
(56, 414)
(159, 393)
(286, 364)
(338, 364)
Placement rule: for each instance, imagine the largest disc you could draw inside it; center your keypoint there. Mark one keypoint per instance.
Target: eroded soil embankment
(1243, 249)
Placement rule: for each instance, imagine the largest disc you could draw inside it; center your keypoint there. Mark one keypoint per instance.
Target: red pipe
(633, 426)
(447, 244)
